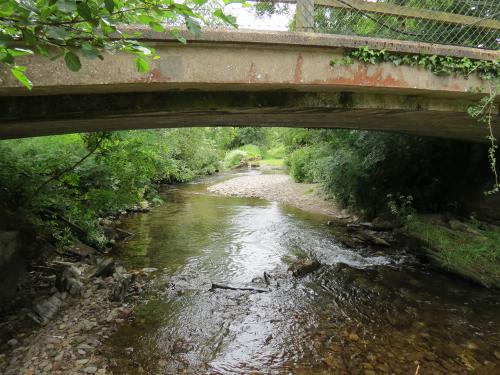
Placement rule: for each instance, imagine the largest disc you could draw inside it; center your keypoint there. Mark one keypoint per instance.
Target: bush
(44, 180)
(253, 152)
(250, 136)
(302, 164)
(234, 158)
(277, 152)
(362, 169)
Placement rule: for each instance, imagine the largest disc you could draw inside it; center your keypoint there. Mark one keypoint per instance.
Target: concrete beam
(45, 115)
(254, 66)
(227, 61)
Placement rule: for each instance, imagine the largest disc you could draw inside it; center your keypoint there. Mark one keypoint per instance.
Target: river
(363, 311)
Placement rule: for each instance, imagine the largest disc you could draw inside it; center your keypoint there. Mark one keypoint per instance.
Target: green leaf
(141, 64)
(109, 5)
(143, 18)
(29, 37)
(177, 35)
(230, 20)
(193, 26)
(155, 26)
(84, 11)
(88, 51)
(18, 72)
(58, 33)
(5, 56)
(67, 6)
(5, 39)
(72, 61)
(29, 5)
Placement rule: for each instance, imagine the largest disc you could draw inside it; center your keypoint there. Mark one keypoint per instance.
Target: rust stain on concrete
(297, 75)
(362, 77)
(252, 74)
(156, 76)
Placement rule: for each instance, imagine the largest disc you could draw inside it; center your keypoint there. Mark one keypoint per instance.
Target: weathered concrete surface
(430, 116)
(242, 78)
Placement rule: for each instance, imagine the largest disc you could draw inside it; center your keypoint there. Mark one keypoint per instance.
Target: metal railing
(468, 23)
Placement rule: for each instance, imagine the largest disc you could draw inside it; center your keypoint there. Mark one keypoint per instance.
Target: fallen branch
(229, 287)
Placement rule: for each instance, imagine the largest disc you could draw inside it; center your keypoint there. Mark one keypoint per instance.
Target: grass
(470, 250)
(277, 152)
(272, 162)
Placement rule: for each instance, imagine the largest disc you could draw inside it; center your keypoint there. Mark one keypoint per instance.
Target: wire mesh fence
(470, 23)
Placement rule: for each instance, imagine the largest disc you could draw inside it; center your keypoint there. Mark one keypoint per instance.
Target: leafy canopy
(71, 29)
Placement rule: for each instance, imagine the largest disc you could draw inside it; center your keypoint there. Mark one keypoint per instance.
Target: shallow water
(362, 311)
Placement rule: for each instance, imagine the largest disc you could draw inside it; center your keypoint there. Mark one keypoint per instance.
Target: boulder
(120, 284)
(70, 281)
(81, 250)
(46, 309)
(371, 237)
(104, 267)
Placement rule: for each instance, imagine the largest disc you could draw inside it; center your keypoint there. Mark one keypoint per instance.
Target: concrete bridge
(247, 78)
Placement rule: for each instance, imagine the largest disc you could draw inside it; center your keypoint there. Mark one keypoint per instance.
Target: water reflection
(359, 313)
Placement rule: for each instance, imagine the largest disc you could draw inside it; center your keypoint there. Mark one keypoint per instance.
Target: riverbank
(281, 188)
(468, 248)
(63, 332)
(66, 304)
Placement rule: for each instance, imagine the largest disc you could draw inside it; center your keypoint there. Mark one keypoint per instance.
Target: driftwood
(230, 287)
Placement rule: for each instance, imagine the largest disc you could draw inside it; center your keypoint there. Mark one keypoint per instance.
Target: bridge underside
(246, 79)
(59, 114)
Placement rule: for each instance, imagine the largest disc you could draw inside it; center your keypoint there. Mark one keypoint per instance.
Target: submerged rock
(303, 267)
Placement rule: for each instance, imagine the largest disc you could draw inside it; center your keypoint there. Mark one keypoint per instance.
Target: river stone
(303, 267)
(81, 250)
(46, 309)
(90, 370)
(121, 282)
(70, 281)
(382, 367)
(149, 269)
(353, 337)
(12, 342)
(104, 268)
